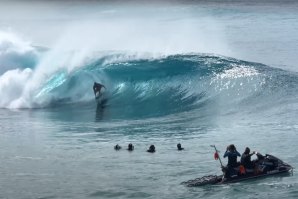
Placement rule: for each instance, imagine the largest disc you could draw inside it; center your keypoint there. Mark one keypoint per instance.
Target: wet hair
(151, 148)
(117, 147)
(232, 147)
(247, 150)
(130, 147)
(179, 146)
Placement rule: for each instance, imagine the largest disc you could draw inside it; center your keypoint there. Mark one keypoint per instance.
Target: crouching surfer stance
(97, 88)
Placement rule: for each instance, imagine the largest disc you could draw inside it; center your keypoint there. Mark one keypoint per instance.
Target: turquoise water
(56, 142)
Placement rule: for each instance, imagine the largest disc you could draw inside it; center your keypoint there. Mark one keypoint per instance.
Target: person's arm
(242, 159)
(238, 154)
(252, 154)
(226, 154)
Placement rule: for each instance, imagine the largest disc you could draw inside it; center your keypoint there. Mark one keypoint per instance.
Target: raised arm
(238, 154)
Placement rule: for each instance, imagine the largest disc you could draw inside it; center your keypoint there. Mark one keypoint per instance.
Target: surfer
(117, 147)
(97, 88)
(130, 147)
(179, 147)
(151, 149)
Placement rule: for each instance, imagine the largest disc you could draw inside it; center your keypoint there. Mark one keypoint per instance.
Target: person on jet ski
(232, 154)
(97, 87)
(246, 159)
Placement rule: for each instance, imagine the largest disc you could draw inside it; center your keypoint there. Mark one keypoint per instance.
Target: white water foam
(15, 52)
(12, 84)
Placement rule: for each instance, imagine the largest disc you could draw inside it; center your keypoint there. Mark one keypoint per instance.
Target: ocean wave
(16, 53)
(139, 84)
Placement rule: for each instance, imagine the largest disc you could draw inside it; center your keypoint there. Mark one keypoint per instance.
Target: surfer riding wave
(97, 88)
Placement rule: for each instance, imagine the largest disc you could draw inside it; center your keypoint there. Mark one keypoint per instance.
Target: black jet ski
(264, 166)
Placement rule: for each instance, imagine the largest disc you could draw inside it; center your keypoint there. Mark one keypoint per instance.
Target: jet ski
(267, 165)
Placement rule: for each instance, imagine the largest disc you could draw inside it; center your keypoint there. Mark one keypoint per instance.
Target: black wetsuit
(246, 160)
(232, 162)
(232, 158)
(97, 87)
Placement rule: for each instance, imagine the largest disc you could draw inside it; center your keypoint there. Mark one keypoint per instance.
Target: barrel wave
(150, 86)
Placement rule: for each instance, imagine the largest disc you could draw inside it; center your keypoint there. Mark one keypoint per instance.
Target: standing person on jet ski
(232, 154)
(97, 87)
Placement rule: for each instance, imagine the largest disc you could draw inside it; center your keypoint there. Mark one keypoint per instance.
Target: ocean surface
(196, 73)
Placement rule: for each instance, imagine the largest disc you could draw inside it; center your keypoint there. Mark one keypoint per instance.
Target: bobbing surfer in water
(97, 87)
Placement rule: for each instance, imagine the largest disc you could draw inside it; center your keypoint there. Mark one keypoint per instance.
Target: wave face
(143, 87)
